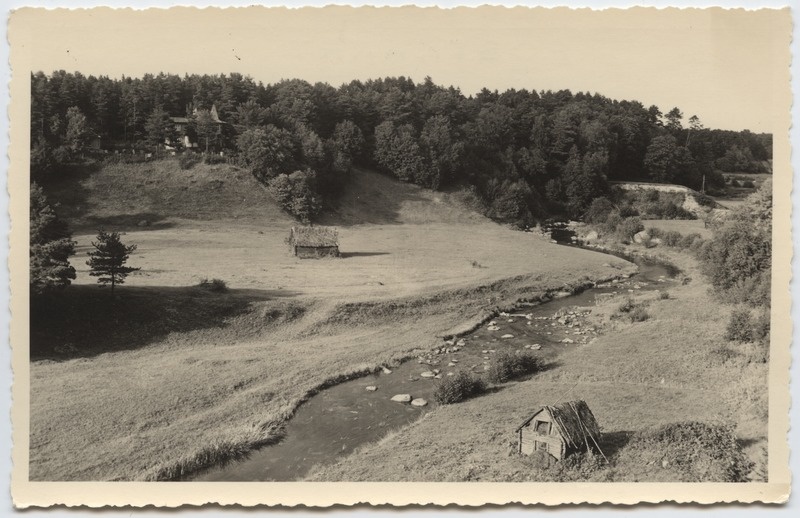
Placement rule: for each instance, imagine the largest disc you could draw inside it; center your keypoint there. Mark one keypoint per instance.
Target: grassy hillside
(670, 368)
(171, 376)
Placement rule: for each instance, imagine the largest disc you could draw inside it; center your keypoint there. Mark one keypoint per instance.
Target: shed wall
(313, 252)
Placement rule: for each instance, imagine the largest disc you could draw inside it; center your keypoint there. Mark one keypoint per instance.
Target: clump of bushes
(744, 327)
(628, 227)
(459, 387)
(188, 160)
(698, 452)
(507, 365)
(663, 294)
(213, 285)
(212, 159)
(633, 311)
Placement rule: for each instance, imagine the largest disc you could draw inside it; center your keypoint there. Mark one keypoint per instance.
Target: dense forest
(521, 155)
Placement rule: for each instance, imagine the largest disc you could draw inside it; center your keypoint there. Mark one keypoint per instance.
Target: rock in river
(419, 402)
(372, 388)
(402, 398)
(428, 374)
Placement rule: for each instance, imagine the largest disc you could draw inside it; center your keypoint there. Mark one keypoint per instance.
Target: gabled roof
(315, 236)
(574, 421)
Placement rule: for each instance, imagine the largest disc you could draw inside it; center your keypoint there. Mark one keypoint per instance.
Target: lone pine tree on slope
(108, 259)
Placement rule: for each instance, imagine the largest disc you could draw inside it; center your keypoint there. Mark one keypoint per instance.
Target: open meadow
(171, 378)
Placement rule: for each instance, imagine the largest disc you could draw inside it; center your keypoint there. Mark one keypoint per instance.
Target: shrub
(744, 327)
(671, 238)
(629, 227)
(612, 222)
(599, 211)
(698, 452)
(663, 294)
(214, 285)
(212, 159)
(628, 211)
(740, 326)
(459, 387)
(188, 160)
(634, 311)
(638, 314)
(507, 365)
(690, 241)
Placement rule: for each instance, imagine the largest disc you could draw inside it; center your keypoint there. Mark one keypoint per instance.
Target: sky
(720, 65)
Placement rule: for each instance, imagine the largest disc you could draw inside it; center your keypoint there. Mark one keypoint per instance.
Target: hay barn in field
(314, 242)
(559, 430)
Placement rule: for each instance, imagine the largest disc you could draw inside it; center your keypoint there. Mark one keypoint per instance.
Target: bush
(507, 365)
(211, 159)
(744, 327)
(629, 226)
(614, 220)
(459, 387)
(698, 452)
(628, 211)
(663, 294)
(188, 160)
(638, 314)
(214, 285)
(690, 241)
(671, 238)
(634, 311)
(599, 211)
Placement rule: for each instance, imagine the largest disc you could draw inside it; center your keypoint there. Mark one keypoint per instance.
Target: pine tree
(50, 246)
(108, 259)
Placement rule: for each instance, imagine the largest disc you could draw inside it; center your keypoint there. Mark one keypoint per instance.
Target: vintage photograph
(402, 245)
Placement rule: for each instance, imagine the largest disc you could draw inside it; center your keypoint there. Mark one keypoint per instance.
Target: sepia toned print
(402, 270)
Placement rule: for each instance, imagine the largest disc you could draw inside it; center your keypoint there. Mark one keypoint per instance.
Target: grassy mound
(692, 451)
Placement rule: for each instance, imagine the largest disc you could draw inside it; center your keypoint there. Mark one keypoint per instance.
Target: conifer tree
(108, 259)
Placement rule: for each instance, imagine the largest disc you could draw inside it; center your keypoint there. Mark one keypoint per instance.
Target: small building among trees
(314, 242)
(559, 431)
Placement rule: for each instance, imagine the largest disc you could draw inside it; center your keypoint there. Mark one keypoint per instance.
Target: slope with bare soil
(171, 377)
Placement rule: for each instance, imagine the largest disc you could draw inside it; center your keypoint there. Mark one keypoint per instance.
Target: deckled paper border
(25, 43)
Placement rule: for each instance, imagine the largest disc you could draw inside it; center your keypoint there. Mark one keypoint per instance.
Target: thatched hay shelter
(314, 242)
(559, 430)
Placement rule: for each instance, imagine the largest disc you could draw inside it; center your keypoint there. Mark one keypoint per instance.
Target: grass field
(172, 377)
(673, 367)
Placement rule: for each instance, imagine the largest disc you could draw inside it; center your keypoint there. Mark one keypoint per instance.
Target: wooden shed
(314, 242)
(559, 430)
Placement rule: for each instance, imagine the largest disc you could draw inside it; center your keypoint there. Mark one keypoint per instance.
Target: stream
(343, 417)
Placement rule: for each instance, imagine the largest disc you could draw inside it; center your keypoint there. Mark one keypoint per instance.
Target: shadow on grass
(612, 442)
(138, 221)
(347, 255)
(85, 321)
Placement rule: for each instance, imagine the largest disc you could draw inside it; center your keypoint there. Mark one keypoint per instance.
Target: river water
(343, 417)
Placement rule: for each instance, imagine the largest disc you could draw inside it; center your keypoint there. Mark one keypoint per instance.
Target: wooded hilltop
(519, 156)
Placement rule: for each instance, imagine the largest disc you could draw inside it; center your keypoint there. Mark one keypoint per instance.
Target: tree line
(523, 154)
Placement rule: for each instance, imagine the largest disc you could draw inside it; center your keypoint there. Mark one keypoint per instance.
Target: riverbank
(672, 367)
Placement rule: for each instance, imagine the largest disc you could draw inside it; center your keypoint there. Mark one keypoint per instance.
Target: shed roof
(574, 420)
(180, 120)
(315, 236)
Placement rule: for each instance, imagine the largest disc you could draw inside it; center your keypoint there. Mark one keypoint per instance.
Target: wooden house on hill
(314, 242)
(183, 128)
(559, 430)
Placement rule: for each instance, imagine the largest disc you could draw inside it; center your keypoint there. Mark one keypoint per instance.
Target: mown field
(170, 377)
